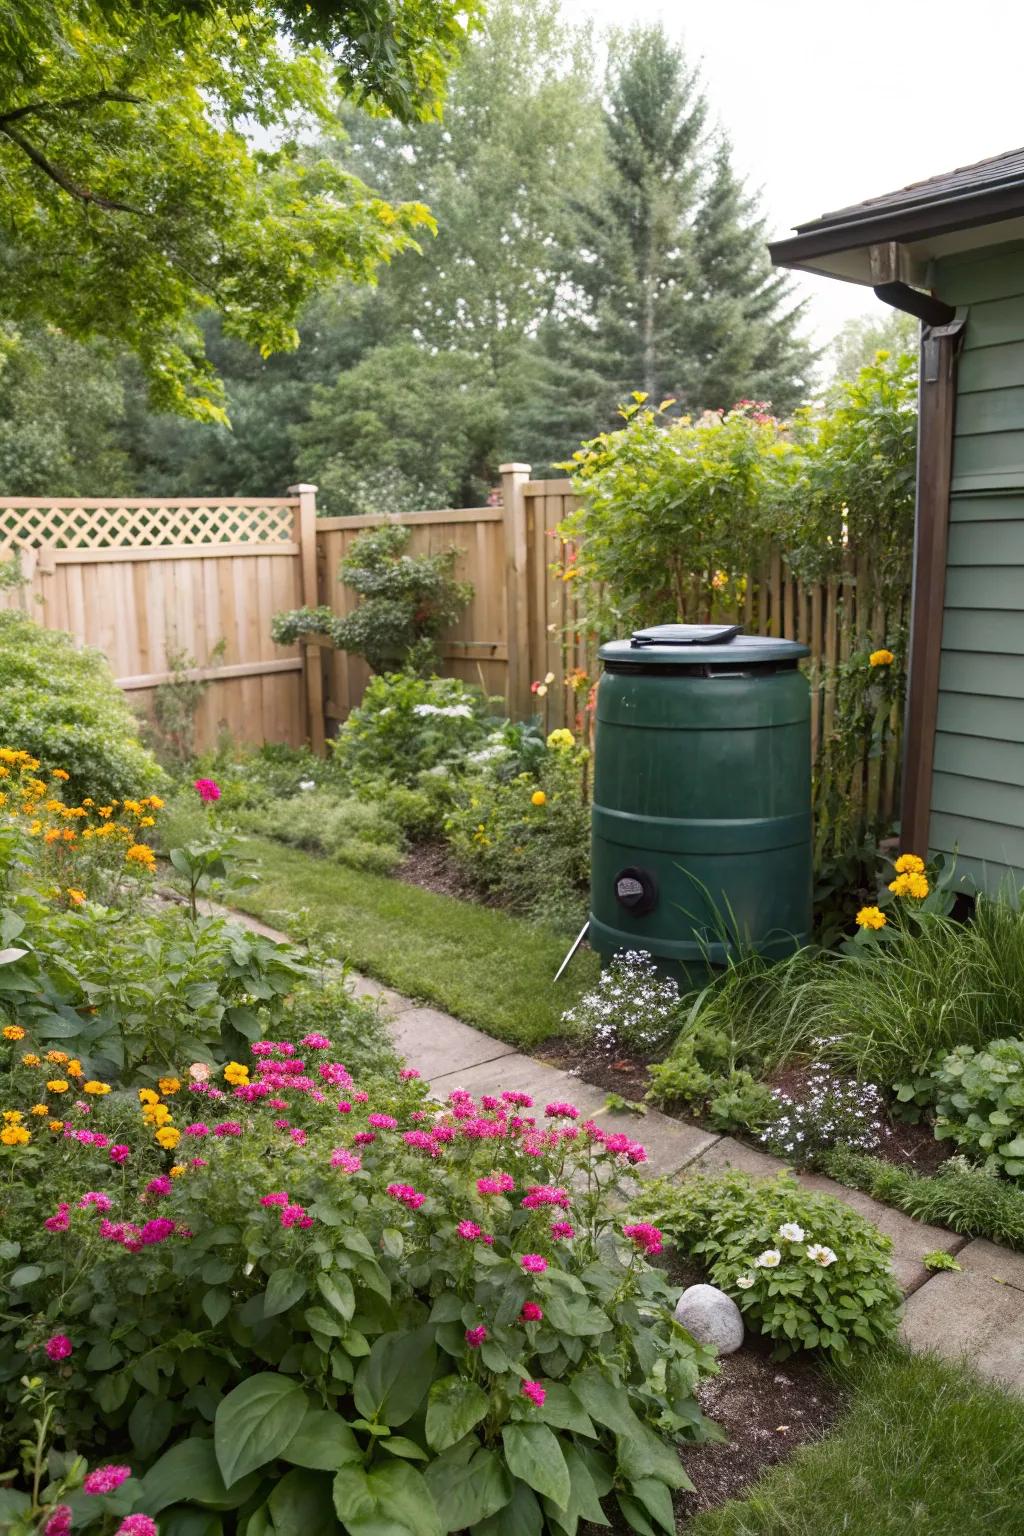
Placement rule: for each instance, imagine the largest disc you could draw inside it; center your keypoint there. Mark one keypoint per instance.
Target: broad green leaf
(563, 1410)
(337, 1291)
(301, 1504)
(149, 1424)
(534, 1454)
(657, 1501)
(257, 1422)
(391, 1499)
(467, 1490)
(606, 1402)
(395, 1377)
(521, 1516)
(398, 1445)
(183, 1520)
(643, 1454)
(189, 1471)
(323, 1442)
(584, 1492)
(454, 1407)
(216, 1305)
(322, 1321)
(284, 1288)
(635, 1515)
(24, 1275)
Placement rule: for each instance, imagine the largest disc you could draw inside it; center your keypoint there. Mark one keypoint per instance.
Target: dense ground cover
(486, 966)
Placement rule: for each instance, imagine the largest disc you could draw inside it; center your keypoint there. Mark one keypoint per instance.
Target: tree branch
(74, 104)
(62, 179)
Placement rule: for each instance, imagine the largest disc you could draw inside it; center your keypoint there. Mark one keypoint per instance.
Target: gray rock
(712, 1317)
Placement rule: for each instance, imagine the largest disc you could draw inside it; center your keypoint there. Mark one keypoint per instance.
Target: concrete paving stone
(911, 1239)
(727, 1153)
(670, 1144)
(438, 1045)
(376, 992)
(977, 1315)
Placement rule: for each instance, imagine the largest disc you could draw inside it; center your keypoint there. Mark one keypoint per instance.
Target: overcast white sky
(827, 103)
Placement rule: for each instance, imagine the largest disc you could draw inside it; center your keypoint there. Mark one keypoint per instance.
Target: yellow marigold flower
(147, 1096)
(909, 864)
(882, 658)
(177, 1170)
(155, 802)
(104, 811)
(51, 835)
(140, 853)
(561, 739)
(14, 1136)
(39, 1109)
(3, 799)
(60, 1057)
(12, 1116)
(93, 1086)
(37, 787)
(53, 805)
(30, 1059)
(75, 896)
(132, 805)
(168, 1138)
(55, 1125)
(69, 836)
(917, 886)
(236, 1073)
(169, 1085)
(147, 821)
(35, 829)
(74, 1068)
(60, 773)
(88, 800)
(538, 797)
(156, 1114)
(13, 1032)
(871, 917)
(57, 1085)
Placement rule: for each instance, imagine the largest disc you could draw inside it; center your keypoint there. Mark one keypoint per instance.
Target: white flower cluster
(633, 1007)
(450, 711)
(834, 1109)
(793, 1234)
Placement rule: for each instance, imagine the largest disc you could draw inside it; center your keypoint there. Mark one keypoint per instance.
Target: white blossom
(745, 1281)
(790, 1232)
(770, 1259)
(820, 1254)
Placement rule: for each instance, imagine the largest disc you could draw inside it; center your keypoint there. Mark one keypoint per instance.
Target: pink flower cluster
(533, 1263)
(406, 1195)
(342, 1158)
(496, 1184)
(291, 1214)
(208, 790)
(531, 1313)
(545, 1194)
(642, 1235)
(476, 1336)
(560, 1109)
(105, 1479)
(120, 1153)
(60, 1220)
(562, 1231)
(58, 1346)
(535, 1392)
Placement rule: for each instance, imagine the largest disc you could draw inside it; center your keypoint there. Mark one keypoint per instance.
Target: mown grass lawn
(483, 965)
(926, 1449)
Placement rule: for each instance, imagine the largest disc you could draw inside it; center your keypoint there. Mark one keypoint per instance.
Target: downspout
(941, 338)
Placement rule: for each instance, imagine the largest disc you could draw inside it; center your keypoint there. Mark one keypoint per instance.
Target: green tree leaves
(256, 1422)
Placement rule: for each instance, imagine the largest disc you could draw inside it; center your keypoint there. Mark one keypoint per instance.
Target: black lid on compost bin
(700, 647)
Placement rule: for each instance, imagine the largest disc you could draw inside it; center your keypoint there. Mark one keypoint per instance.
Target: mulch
(431, 866)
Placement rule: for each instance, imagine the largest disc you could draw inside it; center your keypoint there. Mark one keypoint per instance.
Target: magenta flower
(59, 1523)
(523, 1100)
(197, 1128)
(562, 1230)
(344, 1108)
(105, 1479)
(298, 1135)
(534, 1391)
(469, 1230)
(361, 1098)
(97, 1198)
(340, 1158)
(406, 1195)
(407, 1074)
(382, 1122)
(58, 1346)
(295, 1216)
(315, 1042)
(496, 1184)
(161, 1185)
(476, 1336)
(621, 1146)
(333, 1072)
(423, 1141)
(279, 1197)
(227, 1128)
(119, 1154)
(61, 1220)
(645, 1237)
(533, 1263)
(560, 1109)
(137, 1525)
(156, 1231)
(531, 1312)
(207, 790)
(363, 1138)
(545, 1194)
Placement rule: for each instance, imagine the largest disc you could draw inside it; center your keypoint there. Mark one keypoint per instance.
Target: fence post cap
(514, 469)
(296, 490)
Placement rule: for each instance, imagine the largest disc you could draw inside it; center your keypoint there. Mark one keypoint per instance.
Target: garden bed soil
(766, 1411)
(908, 1146)
(431, 866)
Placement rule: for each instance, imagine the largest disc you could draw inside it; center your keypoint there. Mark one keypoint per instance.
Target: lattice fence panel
(132, 524)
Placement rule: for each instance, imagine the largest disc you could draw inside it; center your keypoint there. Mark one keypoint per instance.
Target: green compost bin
(701, 832)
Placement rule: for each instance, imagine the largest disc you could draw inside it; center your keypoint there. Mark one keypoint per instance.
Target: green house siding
(977, 804)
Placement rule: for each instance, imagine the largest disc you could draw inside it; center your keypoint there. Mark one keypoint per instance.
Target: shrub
(703, 1073)
(528, 838)
(63, 706)
(354, 832)
(805, 1270)
(980, 1103)
(406, 726)
(965, 1198)
(359, 1310)
(633, 1007)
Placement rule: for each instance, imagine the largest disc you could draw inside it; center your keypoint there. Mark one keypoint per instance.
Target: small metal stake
(576, 944)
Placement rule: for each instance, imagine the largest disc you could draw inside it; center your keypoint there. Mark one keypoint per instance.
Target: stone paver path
(976, 1313)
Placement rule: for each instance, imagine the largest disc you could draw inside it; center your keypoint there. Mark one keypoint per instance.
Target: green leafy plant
(408, 600)
(634, 1007)
(805, 1270)
(828, 1111)
(960, 1195)
(63, 706)
(402, 1316)
(940, 1260)
(361, 833)
(980, 1103)
(707, 1073)
(406, 726)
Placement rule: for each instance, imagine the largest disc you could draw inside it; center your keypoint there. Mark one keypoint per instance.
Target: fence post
(517, 607)
(312, 655)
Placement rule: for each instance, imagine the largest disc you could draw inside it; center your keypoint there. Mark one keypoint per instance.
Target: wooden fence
(145, 579)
